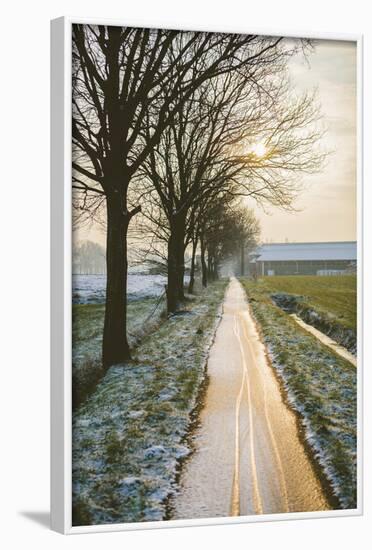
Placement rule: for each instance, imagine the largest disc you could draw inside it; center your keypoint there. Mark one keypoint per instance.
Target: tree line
(88, 258)
(166, 124)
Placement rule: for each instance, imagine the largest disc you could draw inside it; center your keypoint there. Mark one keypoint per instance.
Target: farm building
(327, 258)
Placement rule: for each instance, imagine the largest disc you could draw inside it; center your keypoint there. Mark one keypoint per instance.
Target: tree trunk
(209, 266)
(180, 267)
(176, 263)
(180, 237)
(203, 262)
(115, 348)
(172, 282)
(242, 260)
(192, 267)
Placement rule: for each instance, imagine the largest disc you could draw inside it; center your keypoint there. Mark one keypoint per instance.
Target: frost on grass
(91, 289)
(327, 322)
(146, 302)
(129, 436)
(143, 316)
(320, 386)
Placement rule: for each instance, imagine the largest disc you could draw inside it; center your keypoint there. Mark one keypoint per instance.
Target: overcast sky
(328, 204)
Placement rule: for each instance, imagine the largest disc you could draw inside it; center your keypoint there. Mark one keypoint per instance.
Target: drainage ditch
(331, 328)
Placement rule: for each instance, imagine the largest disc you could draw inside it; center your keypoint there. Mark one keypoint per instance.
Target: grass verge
(319, 385)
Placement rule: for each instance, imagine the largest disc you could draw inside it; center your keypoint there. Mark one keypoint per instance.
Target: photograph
(215, 275)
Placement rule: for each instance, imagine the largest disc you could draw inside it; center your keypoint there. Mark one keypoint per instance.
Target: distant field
(333, 296)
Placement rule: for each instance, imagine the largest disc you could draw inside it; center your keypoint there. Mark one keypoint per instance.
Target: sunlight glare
(259, 149)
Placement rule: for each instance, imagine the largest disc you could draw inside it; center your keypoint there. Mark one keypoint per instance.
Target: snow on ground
(143, 317)
(91, 289)
(129, 436)
(146, 304)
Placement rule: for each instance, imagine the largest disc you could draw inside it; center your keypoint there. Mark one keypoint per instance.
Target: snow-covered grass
(319, 385)
(143, 316)
(91, 289)
(129, 436)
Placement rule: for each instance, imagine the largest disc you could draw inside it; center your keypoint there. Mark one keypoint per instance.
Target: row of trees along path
(164, 123)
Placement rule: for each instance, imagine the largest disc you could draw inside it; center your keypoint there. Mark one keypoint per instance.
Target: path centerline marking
(268, 423)
(256, 493)
(235, 498)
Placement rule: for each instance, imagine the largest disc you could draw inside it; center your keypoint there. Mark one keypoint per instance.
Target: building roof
(345, 250)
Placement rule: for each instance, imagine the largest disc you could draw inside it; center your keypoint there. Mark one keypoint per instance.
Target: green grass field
(335, 297)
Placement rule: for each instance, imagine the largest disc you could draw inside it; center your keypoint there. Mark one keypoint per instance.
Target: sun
(259, 149)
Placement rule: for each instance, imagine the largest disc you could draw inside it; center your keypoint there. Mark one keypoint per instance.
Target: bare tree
(123, 78)
(208, 152)
(229, 229)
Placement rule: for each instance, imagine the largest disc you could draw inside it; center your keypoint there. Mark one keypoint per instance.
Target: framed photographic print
(206, 276)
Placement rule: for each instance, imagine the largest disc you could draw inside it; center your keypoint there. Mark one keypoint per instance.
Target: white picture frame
(61, 291)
